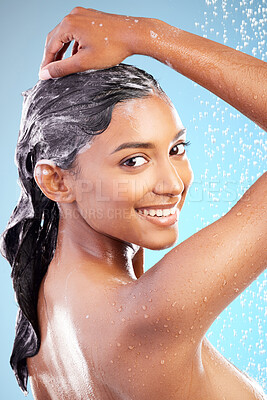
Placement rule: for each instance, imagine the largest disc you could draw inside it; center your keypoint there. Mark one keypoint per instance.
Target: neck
(79, 244)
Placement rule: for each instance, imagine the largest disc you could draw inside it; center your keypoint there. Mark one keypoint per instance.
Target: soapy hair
(59, 117)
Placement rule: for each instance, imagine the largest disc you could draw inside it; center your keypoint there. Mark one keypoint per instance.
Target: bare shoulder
(194, 282)
(227, 378)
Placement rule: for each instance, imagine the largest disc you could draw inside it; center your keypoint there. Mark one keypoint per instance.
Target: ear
(53, 181)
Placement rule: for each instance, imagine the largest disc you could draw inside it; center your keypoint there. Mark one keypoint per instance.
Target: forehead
(144, 118)
(150, 119)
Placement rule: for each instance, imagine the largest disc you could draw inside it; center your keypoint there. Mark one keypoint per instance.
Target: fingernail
(44, 74)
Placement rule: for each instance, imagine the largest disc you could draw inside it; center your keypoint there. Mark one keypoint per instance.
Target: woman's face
(113, 181)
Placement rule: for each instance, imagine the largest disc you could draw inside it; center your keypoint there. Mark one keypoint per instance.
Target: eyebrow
(145, 145)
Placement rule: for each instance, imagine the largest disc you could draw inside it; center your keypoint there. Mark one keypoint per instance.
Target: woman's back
(118, 359)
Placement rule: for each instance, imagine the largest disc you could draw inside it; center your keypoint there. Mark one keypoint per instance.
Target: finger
(75, 48)
(54, 46)
(61, 52)
(61, 68)
(47, 57)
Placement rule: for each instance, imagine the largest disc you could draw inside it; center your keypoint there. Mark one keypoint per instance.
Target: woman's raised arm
(102, 40)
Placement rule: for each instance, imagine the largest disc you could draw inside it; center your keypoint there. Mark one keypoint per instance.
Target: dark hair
(59, 117)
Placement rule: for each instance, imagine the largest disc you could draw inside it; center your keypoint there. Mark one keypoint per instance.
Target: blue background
(227, 150)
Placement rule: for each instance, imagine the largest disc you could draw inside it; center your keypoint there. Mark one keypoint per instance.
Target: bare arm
(103, 40)
(194, 282)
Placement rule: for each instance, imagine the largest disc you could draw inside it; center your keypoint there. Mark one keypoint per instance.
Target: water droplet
(224, 282)
(162, 362)
(100, 24)
(192, 327)
(150, 300)
(168, 299)
(114, 303)
(165, 326)
(123, 319)
(216, 234)
(112, 362)
(255, 97)
(118, 344)
(129, 369)
(239, 213)
(153, 34)
(173, 304)
(180, 331)
(130, 347)
(120, 309)
(146, 316)
(87, 316)
(235, 275)
(205, 299)
(147, 356)
(183, 307)
(144, 307)
(112, 322)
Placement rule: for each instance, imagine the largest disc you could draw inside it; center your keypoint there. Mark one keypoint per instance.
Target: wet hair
(59, 117)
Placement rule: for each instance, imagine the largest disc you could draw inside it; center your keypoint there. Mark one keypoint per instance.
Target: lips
(158, 207)
(160, 220)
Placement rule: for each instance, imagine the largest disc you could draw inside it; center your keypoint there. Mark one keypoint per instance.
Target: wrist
(144, 37)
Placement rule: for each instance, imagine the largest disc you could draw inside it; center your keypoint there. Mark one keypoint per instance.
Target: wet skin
(104, 333)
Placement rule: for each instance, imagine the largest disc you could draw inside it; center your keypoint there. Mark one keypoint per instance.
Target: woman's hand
(101, 40)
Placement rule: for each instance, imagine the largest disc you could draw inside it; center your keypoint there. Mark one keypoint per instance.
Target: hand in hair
(101, 41)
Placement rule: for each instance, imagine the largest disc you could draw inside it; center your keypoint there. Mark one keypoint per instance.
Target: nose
(169, 181)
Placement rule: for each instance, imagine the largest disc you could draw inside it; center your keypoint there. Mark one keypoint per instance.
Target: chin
(160, 244)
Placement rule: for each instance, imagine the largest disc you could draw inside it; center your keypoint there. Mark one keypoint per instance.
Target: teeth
(159, 213)
(166, 212)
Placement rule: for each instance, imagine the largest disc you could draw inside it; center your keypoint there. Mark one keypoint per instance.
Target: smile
(162, 217)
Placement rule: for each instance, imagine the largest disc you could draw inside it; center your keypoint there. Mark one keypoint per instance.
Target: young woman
(104, 173)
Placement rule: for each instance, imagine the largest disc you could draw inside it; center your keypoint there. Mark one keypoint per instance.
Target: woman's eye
(132, 163)
(138, 161)
(178, 149)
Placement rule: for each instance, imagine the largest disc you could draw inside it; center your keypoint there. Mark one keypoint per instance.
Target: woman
(93, 325)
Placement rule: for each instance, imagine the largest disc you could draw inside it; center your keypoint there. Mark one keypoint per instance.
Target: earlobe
(52, 181)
